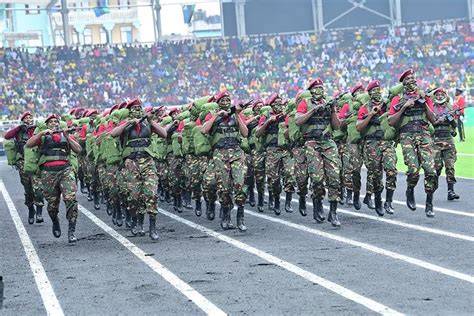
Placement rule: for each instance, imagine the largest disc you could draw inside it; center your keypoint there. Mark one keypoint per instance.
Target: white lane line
(467, 155)
(401, 224)
(50, 301)
(381, 251)
(338, 289)
(439, 209)
(203, 303)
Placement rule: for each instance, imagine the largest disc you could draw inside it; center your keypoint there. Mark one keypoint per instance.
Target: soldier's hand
(272, 118)
(375, 110)
(222, 113)
(409, 103)
(47, 132)
(422, 94)
(238, 108)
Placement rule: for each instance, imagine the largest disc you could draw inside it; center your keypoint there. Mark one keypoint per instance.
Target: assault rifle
(242, 105)
(152, 112)
(67, 130)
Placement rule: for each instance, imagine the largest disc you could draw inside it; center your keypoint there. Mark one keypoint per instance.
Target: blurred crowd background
(46, 80)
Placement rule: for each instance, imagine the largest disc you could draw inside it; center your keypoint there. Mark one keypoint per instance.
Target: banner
(102, 8)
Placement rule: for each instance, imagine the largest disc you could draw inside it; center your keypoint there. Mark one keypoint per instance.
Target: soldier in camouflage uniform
(317, 118)
(279, 164)
(379, 153)
(141, 171)
(445, 131)
(57, 175)
(225, 129)
(31, 182)
(411, 113)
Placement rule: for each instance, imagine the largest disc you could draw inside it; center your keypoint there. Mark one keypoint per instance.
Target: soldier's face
(410, 82)
(28, 120)
(53, 123)
(317, 92)
(277, 106)
(135, 111)
(376, 94)
(257, 107)
(224, 102)
(440, 97)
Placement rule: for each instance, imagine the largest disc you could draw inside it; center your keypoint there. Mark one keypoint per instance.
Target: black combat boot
(31, 214)
(56, 226)
(118, 215)
(71, 232)
(198, 208)
(270, 201)
(451, 194)
(318, 212)
(368, 201)
(240, 219)
(429, 205)
(410, 194)
(109, 209)
(82, 186)
(356, 200)
(153, 231)
(39, 214)
(349, 198)
(134, 225)
(230, 225)
(378, 204)
(114, 214)
(342, 196)
(141, 219)
(178, 203)
(288, 207)
(128, 219)
(96, 201)
(332, 217)
(252, 197)
(276, 206)
(187, 200)
(89, 194)
(210, 210)
(167, 197)
(224, 222)
(260, 202)
(302, 205)
(388, 202)
(161, 193)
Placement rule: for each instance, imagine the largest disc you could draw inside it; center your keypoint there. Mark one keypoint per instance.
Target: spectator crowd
(57, 78)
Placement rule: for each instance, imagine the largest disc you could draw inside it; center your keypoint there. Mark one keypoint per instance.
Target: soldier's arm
(361, 125)
(260, 130)
(117, 131)
(35, 140)
(12, 132)
(72, 142)
(335, 122)
(302, 118)
(244, 131)
(157, 128)
(395, 118)
(206, 128)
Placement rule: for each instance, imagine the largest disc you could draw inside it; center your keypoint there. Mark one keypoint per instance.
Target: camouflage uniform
(32, 186)
(142, 180)
(301, 169)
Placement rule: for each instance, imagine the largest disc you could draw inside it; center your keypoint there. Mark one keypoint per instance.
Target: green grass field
(464, 164)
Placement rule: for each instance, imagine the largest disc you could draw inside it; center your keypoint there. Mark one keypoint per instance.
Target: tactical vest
(271, 135)
(225, 135)
(20, 141)
(52, 151)
(318, 126)
(374, 129)
(413, 119)
(444, 129)
(136, 145)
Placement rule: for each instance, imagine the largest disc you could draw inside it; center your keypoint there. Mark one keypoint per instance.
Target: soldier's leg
(187, 165)
(317, 176)
(332, 167)
(259, 169)
(301, 176)
(426, 157)
(149, 181)
(450, 157)
(250, 179)
(177, 182)
(67, 185)
(222, 162)
(289, 179)
(133, 183)
(410, 158)
(52, 195)
(373, 160)
(26, 181)
(343, 192)
(209, 189)
(272, 170)
(38, 197)
(238, 172)
(389, 161)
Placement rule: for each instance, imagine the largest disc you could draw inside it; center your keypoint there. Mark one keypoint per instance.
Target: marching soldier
(57, 174)
(459, 105)
(226, 128)
(31, 182)
(316, 118)
(411, 112)
(135, 133)
(445, 127)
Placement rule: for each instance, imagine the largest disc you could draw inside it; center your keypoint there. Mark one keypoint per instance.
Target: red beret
(90, 112)
(222, 94)
(24, 114)
(256, 102)
(315, 82)
(51, 116)
(272, 98)
(373, 84)
(439, 90)
(212, 98)
(172, 110)
(122, 105)
(356, 88)
(148, 109)
(136, 101)
(106, 112)
(73, 111)
(115, 107)
(406, 73)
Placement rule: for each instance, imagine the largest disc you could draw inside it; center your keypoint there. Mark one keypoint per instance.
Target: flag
(188, 11)
(102, 8)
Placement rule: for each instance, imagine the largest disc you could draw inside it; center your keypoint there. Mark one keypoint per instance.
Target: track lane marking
(439, 209)
(375, 249)
(197, 298)
(338, 289)
(399, 223)
(50, 301)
